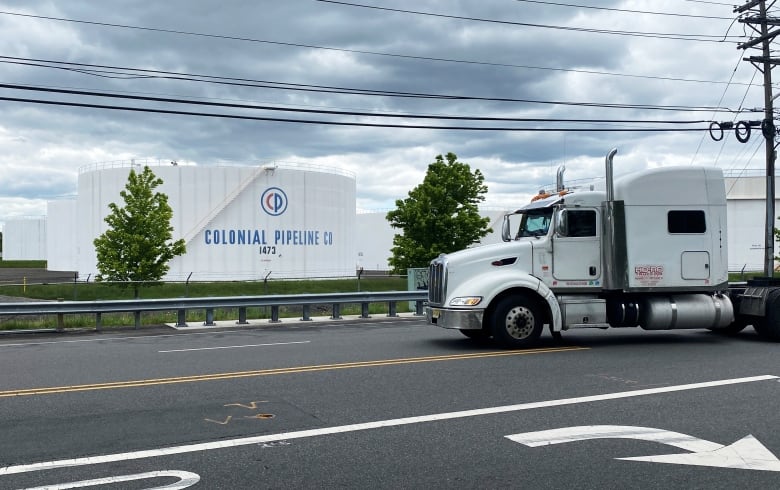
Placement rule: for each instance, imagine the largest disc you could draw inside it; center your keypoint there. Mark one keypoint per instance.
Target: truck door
(577, 246)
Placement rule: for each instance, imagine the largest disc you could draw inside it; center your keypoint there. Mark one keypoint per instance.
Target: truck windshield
(535, 223)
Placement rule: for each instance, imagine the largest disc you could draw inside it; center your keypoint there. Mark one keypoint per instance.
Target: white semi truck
(649, 251)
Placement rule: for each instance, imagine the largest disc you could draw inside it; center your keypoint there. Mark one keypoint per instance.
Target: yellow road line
(269, 372)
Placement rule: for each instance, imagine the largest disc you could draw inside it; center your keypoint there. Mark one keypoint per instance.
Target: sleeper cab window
(686, 222)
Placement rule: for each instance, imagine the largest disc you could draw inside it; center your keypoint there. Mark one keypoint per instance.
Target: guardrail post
(242, 316)
(364, 310)
(60, 318)
(98, 322)
(418, 310)
(336, 312)
(306, 313)
(209, 317)
(274, 314)
(137, 315)
(181, 318)
(392, 309)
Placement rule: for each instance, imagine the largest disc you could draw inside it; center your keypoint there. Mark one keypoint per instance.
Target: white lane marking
(747, 453)
(186, 479)
(285, 436)
(234, 347)
(109, 339)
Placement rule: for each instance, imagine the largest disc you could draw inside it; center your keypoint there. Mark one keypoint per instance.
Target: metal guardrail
(181, 305)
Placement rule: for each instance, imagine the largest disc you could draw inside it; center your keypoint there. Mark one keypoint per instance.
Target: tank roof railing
(167, 162)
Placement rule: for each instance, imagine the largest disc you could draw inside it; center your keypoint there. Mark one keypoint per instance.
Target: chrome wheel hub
(519, 322)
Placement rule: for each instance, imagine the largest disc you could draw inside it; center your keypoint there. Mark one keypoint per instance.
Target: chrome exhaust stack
(559, 186)
(610, 184)
(614, 249)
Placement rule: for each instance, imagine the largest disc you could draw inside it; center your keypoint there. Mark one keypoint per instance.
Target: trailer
(648, 251)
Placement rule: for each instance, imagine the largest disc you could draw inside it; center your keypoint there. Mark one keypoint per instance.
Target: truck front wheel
(517, 321)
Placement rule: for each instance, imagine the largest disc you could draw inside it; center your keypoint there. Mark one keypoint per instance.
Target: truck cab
(565, 232)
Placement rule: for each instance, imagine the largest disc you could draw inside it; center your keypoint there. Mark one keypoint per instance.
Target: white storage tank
(24, 238)
(239, 222)
(61, 233)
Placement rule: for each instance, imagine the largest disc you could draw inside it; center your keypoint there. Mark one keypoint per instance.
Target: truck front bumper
(451, 318)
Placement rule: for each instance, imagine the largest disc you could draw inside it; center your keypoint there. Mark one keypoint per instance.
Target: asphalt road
(388, 404)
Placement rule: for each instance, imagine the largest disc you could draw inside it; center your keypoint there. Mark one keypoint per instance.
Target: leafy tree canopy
(440, 215)
(137, 245)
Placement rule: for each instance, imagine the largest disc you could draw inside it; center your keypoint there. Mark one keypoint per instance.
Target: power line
(710, 3)
(506, 65)
(372, 53)
(145, 73)
(363, 92)
(626, 10)
(336, 123)
(331, 112)
(733, 73)
(744, 97)
(654, 35)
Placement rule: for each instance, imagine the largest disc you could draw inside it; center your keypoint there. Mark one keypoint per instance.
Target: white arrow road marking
(186, 479)
(747, 453)
(571, 434)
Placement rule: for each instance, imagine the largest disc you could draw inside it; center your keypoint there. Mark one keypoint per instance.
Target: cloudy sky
(508, 59)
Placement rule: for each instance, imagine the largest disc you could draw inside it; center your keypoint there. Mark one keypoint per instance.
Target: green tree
(440, 215)
(137, 246)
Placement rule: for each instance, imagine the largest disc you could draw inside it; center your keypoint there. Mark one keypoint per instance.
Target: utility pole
(764, 64)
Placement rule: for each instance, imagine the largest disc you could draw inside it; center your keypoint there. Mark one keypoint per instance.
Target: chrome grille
(437, 275)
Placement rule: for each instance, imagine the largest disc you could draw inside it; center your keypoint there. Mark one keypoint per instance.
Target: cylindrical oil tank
(274, 221)
(685, 311)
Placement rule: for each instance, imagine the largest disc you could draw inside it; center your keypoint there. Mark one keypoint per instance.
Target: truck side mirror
(561, 223)
(506, 231)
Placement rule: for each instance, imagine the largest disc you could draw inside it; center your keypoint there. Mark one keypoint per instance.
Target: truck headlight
(466, 301)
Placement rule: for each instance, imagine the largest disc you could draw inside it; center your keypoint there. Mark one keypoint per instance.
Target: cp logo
(274, 201)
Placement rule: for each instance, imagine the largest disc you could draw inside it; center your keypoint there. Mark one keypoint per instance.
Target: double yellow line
(270, 372)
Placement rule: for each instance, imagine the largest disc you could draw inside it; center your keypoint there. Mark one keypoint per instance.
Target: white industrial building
(281, 221)
(746, 216)
(374, 240)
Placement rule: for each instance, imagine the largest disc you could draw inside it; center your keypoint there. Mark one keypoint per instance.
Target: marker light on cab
(466, 301)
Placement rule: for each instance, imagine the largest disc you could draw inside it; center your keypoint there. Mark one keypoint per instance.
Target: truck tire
(517, 321)
(768, 327)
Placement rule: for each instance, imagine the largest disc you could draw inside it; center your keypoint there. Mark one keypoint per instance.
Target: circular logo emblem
(274, 201)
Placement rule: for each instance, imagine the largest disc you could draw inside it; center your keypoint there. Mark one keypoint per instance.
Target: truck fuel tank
(685, 311)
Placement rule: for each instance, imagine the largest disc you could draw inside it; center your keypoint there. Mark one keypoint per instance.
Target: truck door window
(581, 222)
